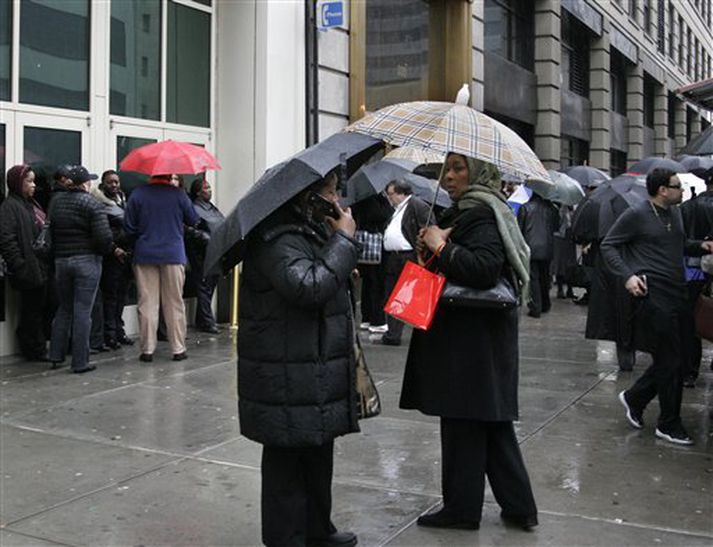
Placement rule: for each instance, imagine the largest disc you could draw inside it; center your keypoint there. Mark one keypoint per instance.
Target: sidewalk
(150, 453)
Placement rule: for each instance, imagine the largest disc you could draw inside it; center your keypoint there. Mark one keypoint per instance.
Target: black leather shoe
(337, 539)
(54, 365)
(210, 330)
(100, 349)
(526, 522)
(112, 344)
(125, 340)
(83, 370)
(441, 519)
(180, 356)
(146, 357)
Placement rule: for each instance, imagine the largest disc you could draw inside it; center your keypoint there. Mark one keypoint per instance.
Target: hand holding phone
(322, 206)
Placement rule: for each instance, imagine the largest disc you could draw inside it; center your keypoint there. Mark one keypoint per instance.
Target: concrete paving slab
(196, 503)
(554, 530)
(142, 416)
(13, 539)
(40, 470)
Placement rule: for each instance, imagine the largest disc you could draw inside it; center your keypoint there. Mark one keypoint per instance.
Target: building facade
(254, 81)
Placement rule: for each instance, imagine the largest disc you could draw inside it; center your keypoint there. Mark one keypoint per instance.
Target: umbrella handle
(435, 194)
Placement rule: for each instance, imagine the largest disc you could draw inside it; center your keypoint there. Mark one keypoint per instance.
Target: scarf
(485, 189)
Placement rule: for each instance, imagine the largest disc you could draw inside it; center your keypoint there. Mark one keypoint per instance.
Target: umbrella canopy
(702, 145)
(447, 127)
(645, 166)
(587, 176)
(418, 155)
(278, 185)
(167, 157)
(565, 189)
(373, 178)
(696, 164)
(519, 197)
(614, 197)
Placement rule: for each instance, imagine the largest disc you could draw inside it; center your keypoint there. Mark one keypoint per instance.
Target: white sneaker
(364, 326)
(379, 329)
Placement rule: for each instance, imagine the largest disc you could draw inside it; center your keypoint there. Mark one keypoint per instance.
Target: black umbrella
(373, 178)
(587, 176)
(645, 166)
(696, 164)
(278, 185)
(702, 145)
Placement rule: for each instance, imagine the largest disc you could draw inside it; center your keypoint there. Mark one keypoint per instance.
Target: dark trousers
(31, 329)
(96, 336)
(205, 287)
(372, 293)
(692, 342)
(393, 264)
(540, 283)
(296, 494)
(668, 326)
(471, 450)
(77, 279)
(114, 287)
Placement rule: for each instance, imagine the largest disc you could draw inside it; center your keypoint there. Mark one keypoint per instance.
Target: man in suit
(410, 215)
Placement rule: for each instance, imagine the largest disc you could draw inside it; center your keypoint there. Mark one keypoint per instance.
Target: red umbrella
(167, 157)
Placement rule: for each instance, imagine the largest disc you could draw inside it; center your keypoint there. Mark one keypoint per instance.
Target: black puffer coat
(466, 365)
(296, 376)
(79, 225)
(17, 232)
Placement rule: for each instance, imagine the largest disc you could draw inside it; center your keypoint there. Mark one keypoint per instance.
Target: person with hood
(21, 219)
(80, 238)
(201, 194)
(464, 369)
(296, 362)
(116, 271)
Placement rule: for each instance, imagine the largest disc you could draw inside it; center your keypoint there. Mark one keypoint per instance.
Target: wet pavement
(150, 453)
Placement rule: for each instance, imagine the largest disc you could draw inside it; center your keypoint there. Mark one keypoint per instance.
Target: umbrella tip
(463, 96)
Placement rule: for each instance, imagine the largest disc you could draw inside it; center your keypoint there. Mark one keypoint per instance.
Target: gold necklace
(665, 225)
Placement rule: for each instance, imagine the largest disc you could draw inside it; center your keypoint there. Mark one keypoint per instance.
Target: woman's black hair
(196, 188)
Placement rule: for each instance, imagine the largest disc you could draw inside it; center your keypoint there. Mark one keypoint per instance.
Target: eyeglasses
(674, 186)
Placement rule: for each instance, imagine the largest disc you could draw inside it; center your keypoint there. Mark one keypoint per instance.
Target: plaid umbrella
(446, 127)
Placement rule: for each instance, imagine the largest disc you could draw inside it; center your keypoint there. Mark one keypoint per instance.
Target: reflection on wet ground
(138, 453)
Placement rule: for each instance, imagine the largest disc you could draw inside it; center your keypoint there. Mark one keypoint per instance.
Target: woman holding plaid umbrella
(464, 369)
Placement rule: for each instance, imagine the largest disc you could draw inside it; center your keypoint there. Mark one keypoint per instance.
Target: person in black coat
(539, 220)
(296, 363)
(465, 367)
(21, 220)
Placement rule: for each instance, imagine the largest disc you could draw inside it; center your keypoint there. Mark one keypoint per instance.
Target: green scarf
(485, 189)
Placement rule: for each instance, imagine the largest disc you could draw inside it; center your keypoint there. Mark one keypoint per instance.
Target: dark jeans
(372, 293)
(540, 283)
(296, 494)
(114, 287)
(77, 279)
(205, 288)
(393, 264)
(471, 450)
(30, 329)
(694, 348)
(668, 324)
(96, 335)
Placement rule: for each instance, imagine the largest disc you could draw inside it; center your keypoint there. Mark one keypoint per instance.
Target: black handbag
(42, 245)
(501, 296)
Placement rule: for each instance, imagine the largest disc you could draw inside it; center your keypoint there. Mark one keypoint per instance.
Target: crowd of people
(74, 260)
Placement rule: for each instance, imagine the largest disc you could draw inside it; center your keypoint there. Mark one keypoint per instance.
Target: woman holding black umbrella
(296, 376)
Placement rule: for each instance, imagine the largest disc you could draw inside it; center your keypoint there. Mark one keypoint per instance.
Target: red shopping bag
(415, 296)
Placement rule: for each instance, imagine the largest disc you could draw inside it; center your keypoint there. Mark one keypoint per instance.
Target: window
(617, 162)
(135, 79)
(649, 100)
(188, 71)
(689, 52)
(403, 51)
(671, 30)
(573, 151)
(54, 53)
(672, 115)
(44, 150)
(509, 26)
(680, 42)
(5, 49)
(524, 130)
(575, 55)
(690, 122)
(661, 26)
(647, 16)
(617, 74)
(2, 197)
(633, 8)
(130, 179)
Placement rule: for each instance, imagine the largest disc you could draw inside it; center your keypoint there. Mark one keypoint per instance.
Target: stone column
(599, 90)
(661, 144)
(635, 112)
(477, 86)
(548, 54)
(681, 123)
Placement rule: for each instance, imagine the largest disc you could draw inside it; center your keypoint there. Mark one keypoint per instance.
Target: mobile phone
(322, 205)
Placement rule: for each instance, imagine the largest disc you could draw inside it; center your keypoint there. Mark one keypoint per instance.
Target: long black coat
(17, 232)
(296, 366)
(466, 365)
